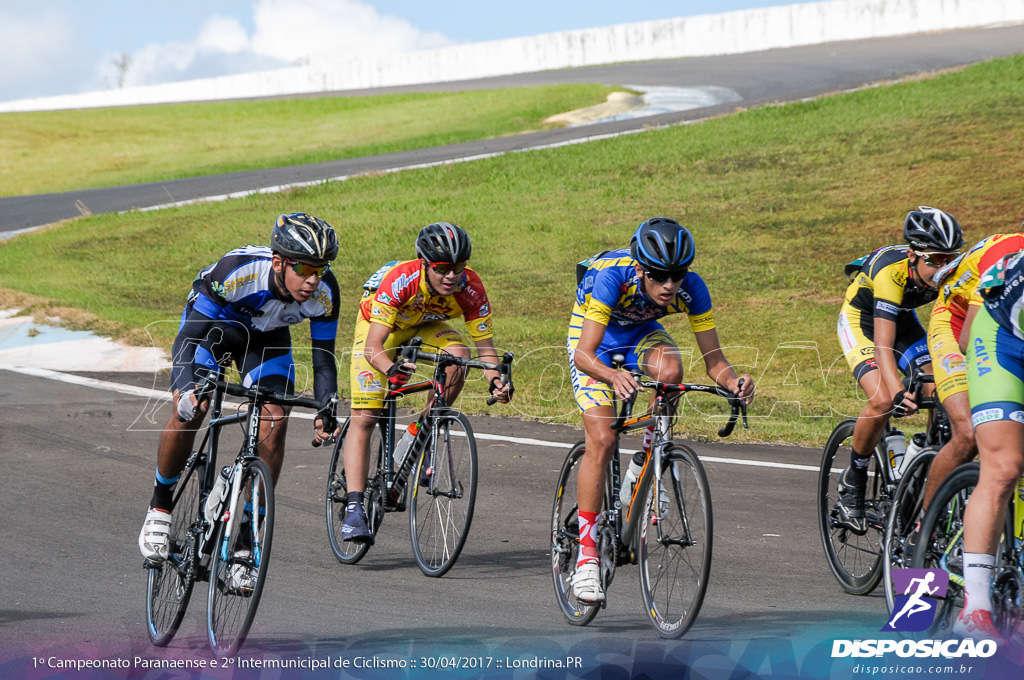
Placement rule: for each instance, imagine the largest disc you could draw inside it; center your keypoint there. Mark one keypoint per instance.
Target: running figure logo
(914, 610)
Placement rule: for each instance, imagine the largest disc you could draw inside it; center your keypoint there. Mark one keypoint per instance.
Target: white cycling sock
(978, 569)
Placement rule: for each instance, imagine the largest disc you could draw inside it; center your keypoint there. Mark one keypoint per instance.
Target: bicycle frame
(411, 353)
(252, 416)
(247, 505)
(660, 414)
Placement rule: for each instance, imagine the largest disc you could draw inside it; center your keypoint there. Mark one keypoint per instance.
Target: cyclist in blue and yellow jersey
(402, 300)
(881, 335)
(994, 349)
(619, 300)
(958, 283)
(239, 310)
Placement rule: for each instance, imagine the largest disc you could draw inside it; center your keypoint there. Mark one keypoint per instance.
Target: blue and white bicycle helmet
(662, 245)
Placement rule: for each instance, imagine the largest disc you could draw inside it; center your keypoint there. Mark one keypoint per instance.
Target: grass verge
(779, 199)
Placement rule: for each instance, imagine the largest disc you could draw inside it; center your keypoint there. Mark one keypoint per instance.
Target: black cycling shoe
(850, 507)
(355, 528)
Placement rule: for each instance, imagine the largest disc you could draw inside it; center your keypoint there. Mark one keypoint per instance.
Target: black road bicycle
(442, 462)
(666, 527)
(226, 541)
(855, 552)
(941, 546)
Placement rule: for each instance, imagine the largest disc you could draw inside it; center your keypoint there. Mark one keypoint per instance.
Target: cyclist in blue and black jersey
(619, 300)
(239, 310)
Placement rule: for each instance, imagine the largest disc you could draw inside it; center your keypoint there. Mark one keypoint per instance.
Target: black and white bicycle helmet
(661, 244)
(443, 242)
(932, 229)
(304, 237)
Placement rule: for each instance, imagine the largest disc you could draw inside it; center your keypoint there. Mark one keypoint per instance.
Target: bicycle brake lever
(505, 376)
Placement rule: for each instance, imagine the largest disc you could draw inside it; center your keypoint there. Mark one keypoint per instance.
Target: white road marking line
(164, 395)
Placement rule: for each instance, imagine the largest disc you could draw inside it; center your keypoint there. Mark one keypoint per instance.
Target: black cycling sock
(354, 499)
(858, 466)
(163, 492)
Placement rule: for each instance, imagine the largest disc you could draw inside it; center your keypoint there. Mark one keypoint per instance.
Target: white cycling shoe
(155, 536)
(242, 577)
(586, 583)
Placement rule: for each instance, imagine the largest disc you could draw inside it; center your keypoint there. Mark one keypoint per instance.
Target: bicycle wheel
(1008, 584)
(906, 508)
(855, 557)
(170, 585)
(443, 493)
(347, 552)
(240, 559)
(565, 541)
(674, 541)
(940, 544)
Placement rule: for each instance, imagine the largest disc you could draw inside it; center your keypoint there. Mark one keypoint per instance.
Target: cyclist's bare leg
(600, 445)
(456, 374)
(273, 428)
(871, 422)
(176, 441)
(662, 363)
(1001, 443)
(958, 450)
(357, 447)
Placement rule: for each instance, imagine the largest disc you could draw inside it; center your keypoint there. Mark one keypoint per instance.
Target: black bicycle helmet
(932, 229)
(304, 237)
(443, 242)
(661, 244)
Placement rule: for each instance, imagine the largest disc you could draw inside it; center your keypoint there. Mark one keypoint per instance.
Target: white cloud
(40, 52)
(321, 30)
(286, 32)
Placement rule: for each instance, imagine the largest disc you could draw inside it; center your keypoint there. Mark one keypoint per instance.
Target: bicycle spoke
(441, 504)
(240, 561)
(675, 542)
(565, 541)
(855, 557)
(346, 552)
(169, 586)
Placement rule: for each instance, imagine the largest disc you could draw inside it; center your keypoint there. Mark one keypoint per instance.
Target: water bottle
(915, 447)
(895, 448)
(404, 459)
(404, 445)
(632, 474)
(217, 495)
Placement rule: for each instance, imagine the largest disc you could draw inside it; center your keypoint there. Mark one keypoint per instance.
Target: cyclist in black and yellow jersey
(881, 335)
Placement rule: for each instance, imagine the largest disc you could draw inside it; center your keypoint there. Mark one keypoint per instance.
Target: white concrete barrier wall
(728, 33)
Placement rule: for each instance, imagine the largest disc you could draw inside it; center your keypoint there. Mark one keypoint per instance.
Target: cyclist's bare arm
(486, 351)
(586, 360)
(718, 367)
(374, 349)
(885, 340)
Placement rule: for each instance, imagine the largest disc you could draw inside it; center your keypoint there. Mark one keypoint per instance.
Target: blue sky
(67, 46)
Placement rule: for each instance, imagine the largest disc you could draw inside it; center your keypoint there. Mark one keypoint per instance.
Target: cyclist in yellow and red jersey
(402, 300)
(881, 335)
(959, 285)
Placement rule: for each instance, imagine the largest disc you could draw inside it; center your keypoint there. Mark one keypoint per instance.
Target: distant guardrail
(728, 33)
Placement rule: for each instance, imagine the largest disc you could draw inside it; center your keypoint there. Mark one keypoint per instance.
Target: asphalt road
(775, 75)
(78, 473)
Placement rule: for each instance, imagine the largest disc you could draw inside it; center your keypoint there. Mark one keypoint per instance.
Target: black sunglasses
(659, 276)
